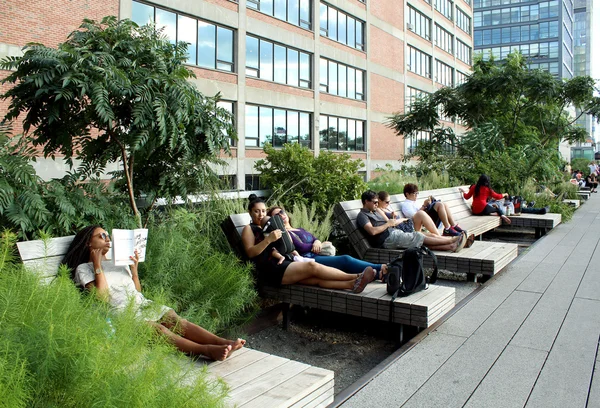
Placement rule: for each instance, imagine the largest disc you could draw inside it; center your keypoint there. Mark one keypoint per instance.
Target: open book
(126, 242)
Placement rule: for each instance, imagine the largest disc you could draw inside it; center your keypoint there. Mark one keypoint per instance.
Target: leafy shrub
(207, 286)
(580, 164)
(302, 217)
(296, 176)
(393, 181)
(57, 349)
(60, 207)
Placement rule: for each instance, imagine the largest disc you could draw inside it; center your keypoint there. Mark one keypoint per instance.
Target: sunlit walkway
(528, 338)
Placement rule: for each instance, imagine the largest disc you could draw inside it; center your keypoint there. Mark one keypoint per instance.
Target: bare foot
(237, 344)
(218, 353)
(505, 219)
(384, 271)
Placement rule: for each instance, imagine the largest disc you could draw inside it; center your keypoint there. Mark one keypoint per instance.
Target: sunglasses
(387, 202)
(104, 236)
(375, 201)
(279, 213)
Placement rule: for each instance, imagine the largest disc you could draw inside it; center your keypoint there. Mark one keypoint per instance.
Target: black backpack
(405, 273)
(285, 245)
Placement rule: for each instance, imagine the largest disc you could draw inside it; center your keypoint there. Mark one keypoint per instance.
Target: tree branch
(128, 176)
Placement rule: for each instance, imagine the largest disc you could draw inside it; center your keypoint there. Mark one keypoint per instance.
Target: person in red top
(481, 192)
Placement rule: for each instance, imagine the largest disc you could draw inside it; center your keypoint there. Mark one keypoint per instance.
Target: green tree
(515, 118)
(298, 177)
(115, 91)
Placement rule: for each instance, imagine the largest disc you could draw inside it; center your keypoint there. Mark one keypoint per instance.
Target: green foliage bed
(58, 350)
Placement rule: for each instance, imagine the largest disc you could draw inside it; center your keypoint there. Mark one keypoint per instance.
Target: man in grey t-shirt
(381, 233)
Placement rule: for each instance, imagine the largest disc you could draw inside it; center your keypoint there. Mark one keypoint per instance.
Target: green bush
(207, 286)
(302, 217)
(59, 207)
(296, 176)
(581, 164)
(57, 349)
(393, 181)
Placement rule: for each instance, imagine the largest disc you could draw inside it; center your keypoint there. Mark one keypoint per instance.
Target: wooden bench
(421, 309)
(254, 378)
(486, 258)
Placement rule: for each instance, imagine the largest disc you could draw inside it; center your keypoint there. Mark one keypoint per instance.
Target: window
(444, 7)
(228, 106)
(341, 134)
(277, 126)
(463, 52)
(444, 74)
(412, 141)
(296, 12)
(341, 27)
(463, 21)
(461, 78)
(419, 23)
(209, 45)
(444, 40)
(419, 62)
(277, 63)
(254, 182)
(342, 80)
(228, 182)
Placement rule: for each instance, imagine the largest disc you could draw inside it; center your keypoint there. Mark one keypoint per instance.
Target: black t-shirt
(363, 218)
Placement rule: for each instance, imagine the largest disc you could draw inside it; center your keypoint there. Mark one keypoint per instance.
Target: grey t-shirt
(363, 218)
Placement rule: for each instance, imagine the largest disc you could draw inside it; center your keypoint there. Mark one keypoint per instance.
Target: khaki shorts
(399, 239)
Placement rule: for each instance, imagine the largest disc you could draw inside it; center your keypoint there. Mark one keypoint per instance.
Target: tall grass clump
(393, 181)
(184, 267)
(551, 196)
(303, 217)
(57, 349)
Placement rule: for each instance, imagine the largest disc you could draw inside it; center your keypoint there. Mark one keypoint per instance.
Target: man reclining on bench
(381, 233)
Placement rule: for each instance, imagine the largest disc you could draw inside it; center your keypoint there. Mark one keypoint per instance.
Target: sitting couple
(273, 269)
(383, 232)
(431, 215)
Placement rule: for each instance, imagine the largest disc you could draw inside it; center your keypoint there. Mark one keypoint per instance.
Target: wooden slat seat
(254, 378)
(421, 309)
(485, 258)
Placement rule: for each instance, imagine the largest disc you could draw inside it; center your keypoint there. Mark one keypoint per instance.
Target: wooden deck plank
(322, 395)
(236, 362)
(309, 381)
(258, 386)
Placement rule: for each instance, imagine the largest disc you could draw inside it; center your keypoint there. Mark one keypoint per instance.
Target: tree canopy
(515, 117)
(115, 91)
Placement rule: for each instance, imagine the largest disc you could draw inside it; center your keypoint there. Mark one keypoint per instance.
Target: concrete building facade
(325, 74)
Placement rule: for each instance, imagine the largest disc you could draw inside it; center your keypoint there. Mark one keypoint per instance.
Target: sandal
(363, 279)
(470, 240)
(460, 244)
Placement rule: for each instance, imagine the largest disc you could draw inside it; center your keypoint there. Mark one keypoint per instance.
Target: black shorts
(433, 214)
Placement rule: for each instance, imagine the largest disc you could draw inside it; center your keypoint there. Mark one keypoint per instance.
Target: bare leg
(216, 352)
(444, 214)
(422, 219)
(300, 271)
(328, 284)
(197, 334)
(441, 243)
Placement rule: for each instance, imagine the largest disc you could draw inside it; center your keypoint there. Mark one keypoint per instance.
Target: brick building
(325, 74)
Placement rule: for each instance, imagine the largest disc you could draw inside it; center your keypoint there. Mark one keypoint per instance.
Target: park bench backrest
(44, 256)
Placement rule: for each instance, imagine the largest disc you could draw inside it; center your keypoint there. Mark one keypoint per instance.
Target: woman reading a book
(120, 287)
(274, 270)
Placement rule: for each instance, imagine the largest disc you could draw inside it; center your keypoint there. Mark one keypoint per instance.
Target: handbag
(327, 249)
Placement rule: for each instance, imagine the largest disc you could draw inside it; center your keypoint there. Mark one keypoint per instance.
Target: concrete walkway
(529, 338)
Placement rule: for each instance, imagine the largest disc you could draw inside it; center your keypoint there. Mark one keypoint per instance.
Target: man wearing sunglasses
(380, 231)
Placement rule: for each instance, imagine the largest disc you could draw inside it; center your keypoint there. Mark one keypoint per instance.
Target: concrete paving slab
(401, 380)
(541, 327)
(590, 284)
(540, 278)
(455, 381)
(594, 397)
(510, 380)
(566, 377)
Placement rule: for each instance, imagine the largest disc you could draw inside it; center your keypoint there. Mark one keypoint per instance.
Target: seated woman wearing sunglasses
(310, 247)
